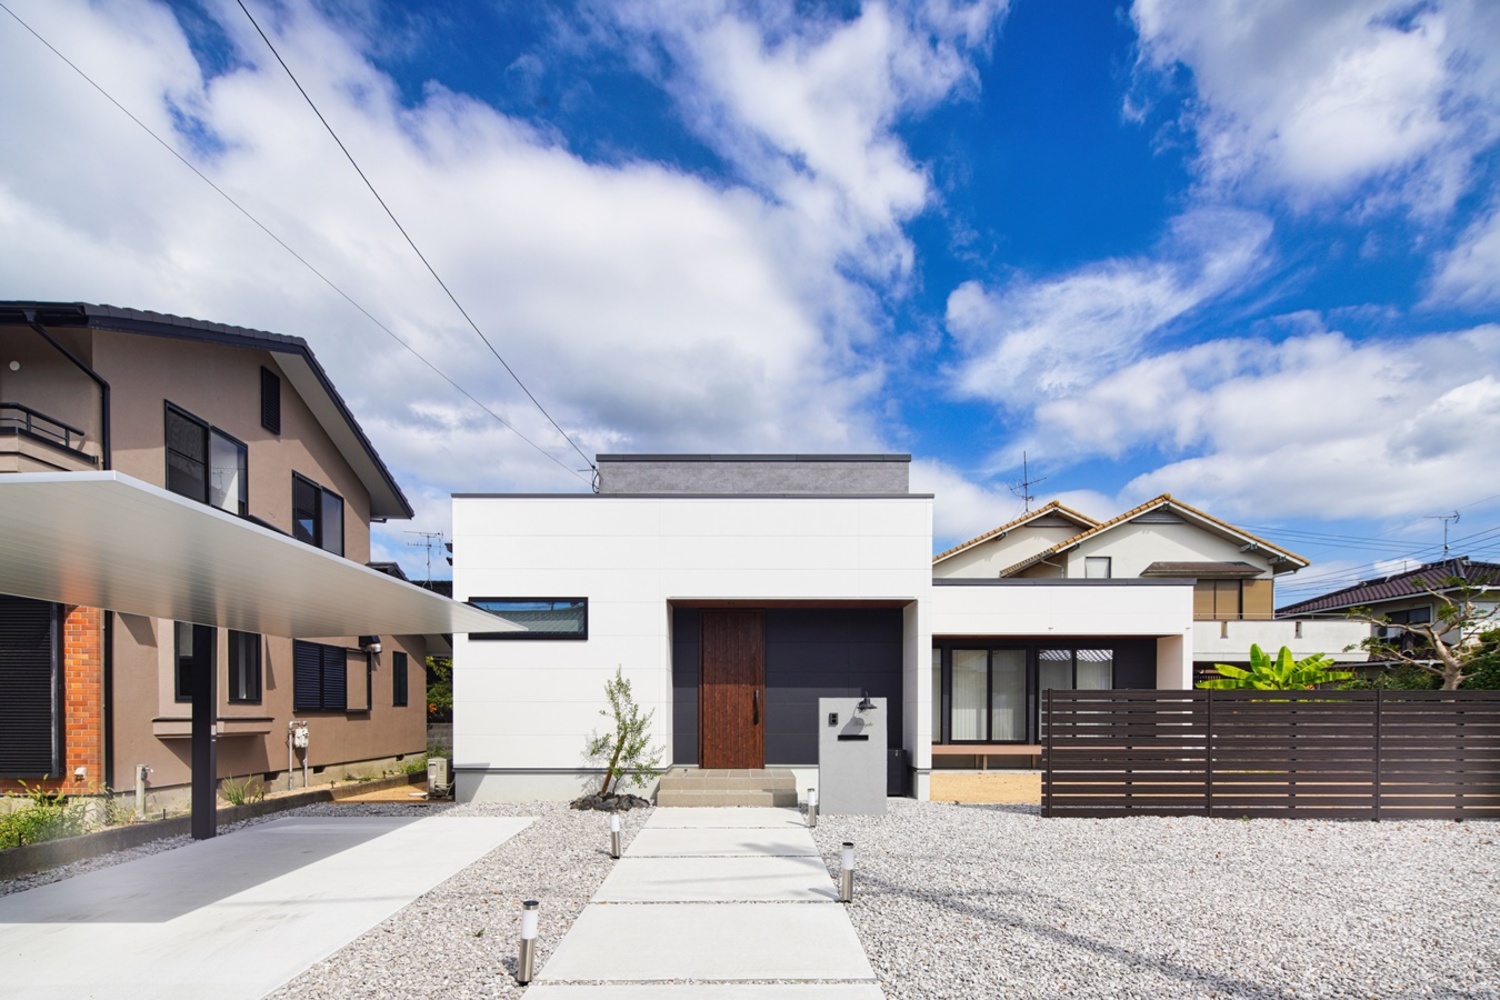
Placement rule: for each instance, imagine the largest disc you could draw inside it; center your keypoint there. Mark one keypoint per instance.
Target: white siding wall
(1133, 547)
(988, 558)
(526, 706)
(1095, 608)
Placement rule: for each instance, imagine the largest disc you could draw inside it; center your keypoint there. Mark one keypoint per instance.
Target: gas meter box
(299, 737)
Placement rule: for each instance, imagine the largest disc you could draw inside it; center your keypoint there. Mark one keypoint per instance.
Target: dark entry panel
(731, 718)
(29, 738)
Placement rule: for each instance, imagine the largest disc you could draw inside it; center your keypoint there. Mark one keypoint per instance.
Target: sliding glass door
(987, 696)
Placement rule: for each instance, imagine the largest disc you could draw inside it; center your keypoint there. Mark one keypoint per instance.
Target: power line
(280, 242)
(409, 241)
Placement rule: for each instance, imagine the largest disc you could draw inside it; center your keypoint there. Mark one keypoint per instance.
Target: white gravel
(959, 901)
(955, 901)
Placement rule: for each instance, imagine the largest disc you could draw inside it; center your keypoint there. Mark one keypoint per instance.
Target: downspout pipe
(107, 716)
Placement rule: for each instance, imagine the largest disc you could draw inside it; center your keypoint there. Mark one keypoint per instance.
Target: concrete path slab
(707, 991)
(685, 880)
(721, 942)
(699, 817)
(231, 917)
(716, 842)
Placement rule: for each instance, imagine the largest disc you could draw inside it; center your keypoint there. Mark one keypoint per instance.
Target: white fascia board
(106, 540)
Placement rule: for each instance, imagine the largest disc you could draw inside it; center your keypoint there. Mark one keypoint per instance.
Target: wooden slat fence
(1303, 754)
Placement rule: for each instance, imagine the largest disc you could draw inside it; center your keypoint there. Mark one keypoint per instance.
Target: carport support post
(205, 733)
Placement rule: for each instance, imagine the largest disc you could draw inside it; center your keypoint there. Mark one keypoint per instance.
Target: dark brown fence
(1297, 754)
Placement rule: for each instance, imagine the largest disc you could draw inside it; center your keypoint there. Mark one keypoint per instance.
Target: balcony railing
(16, 418)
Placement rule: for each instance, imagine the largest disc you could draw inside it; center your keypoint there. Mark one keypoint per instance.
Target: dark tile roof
(1413, 582)
(1202, 570)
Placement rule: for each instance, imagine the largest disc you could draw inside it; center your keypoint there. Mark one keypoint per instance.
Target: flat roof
(107, 540)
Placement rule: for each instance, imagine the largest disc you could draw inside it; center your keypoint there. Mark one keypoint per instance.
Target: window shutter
(307, 676)
(270, 401)
(28, 683)
(398, 679)
(335, 678)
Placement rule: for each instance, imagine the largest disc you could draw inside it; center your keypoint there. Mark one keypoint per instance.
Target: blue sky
(1243, 253)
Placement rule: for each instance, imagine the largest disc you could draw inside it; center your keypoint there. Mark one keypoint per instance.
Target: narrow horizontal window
(540, 617)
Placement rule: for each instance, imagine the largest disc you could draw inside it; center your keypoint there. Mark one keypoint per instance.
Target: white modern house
(735, 591)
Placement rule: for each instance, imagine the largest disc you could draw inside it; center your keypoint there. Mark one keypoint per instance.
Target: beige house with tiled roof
(1027, 535)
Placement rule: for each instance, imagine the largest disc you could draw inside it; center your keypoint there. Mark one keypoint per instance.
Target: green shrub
(237, 793)
(47, 816)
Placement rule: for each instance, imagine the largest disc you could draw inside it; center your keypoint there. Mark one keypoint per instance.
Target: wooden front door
(731, 691)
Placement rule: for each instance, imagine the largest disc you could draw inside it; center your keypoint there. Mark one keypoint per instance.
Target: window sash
(543, 617)
(244, 667)
(400, 683)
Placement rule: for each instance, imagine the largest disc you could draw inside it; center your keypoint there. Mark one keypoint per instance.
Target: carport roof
(106, 540)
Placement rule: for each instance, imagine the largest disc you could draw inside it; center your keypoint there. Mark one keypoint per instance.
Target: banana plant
(1280, 674)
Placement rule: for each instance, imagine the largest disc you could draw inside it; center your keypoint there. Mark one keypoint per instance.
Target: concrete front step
(684, 786)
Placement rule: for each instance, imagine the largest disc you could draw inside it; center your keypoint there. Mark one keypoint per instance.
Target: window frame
(1106, 561)
(400, 682)
(322, 496)
(237, 666)
(210, 432)
(579, 636)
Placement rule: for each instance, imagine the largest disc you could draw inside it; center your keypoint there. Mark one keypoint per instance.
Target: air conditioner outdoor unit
(439, 778)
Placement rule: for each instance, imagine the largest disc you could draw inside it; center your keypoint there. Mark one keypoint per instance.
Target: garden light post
(846, 873)
(529, 922)
(614, 836)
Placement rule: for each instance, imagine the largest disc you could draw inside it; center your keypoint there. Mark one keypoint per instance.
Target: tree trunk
(609, 775)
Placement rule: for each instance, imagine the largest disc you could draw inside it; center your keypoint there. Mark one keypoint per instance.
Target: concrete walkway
(722, 904)
(232, 917)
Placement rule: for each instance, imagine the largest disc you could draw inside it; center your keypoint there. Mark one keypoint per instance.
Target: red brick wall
(83, 703)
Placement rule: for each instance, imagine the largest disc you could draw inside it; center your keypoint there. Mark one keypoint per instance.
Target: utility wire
(282, 243)
(409, 241)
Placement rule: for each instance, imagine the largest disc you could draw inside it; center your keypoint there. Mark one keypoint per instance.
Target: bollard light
(812, 808)
(846, 874)
(530, 919)
(614, 836)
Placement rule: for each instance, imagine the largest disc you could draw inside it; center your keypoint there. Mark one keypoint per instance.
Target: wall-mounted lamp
(15, 366)
(80, 772)
(865, 704)
(370, 643)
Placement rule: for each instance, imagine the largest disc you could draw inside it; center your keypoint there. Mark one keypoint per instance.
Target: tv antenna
(1023, 488)
(428, 539)
(1446, 519)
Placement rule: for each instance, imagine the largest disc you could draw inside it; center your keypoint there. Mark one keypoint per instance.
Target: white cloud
(1313, 100)
(649, 308)
(1465, 275)
(805, 106)
(1317, 425)
(1037, 339)
(961, 508)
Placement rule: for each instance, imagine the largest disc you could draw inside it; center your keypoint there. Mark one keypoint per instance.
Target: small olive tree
(1449, 647)
(626, 747)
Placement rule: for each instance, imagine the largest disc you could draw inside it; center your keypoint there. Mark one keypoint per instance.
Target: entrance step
(694, 786)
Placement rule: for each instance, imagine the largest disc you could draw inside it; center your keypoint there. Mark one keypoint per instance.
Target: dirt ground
(412, 794)
(1010, 787)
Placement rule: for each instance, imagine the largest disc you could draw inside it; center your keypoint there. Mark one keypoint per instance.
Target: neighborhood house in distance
(230, 463)
(734, 591)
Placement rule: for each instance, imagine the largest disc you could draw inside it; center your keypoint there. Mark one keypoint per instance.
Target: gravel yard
(958, 901)
(993, 901)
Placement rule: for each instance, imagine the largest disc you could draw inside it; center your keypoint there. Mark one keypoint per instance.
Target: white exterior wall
(1229, 641)
(522, 709)
(1133, 547)
(989, 557)
(1073, 609)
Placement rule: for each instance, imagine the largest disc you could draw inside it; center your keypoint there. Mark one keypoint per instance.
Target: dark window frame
(236, 666)
(270, 401)
(317, 536)
(242, 502)
(579, 636)
(182, 669)
(400, 682)
(1033, 649)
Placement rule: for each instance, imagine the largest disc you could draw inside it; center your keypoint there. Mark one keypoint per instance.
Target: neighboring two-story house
(209, 487)
(1414, 596)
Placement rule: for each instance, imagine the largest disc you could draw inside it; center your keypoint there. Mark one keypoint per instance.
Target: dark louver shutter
(270, 401)
(335, 678)
(29, 741)
(307, 676)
